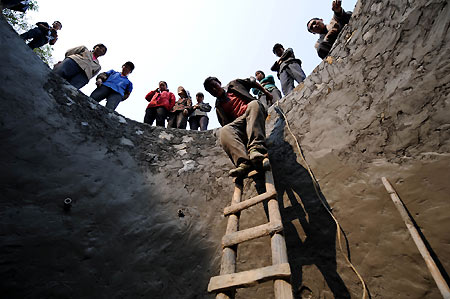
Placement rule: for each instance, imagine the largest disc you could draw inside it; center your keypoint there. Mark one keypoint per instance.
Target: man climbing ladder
(243, 139)
(242, 117)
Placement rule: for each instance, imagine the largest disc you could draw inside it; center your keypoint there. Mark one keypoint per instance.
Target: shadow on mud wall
(318, 247)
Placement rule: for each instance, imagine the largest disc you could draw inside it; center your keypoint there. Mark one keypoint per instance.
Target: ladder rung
(265, 167)
(248, 203)
(248, 278)
(251, 233)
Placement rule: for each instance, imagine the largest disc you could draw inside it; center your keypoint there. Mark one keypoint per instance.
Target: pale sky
(183, 42)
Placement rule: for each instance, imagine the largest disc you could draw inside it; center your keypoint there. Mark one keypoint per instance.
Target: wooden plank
(251, 233)
(432, 267)
(265, 167)
(248, 278)
(248, 203)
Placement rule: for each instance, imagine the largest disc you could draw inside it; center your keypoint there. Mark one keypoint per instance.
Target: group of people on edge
(81, 64)
(162, 106)
(241, 116)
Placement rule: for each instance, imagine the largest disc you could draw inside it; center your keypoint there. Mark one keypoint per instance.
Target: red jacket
(156, 98)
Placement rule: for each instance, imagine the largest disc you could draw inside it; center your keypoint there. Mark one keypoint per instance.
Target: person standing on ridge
(161, 102)
(80, 65)
(199, 118)
(329, 33)
(114, 86)
(269, 84)
(42, 34)
(288, 68)
(178, 116)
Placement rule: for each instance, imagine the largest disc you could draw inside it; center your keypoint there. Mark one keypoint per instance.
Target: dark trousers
(72, 72)
(287, 76)
(15, 5)
(158, 113)
(112, 97)
(177, 120)
(199, 121)
(245, 133)
(39, 38)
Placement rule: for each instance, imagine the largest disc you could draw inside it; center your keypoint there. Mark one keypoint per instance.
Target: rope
(322, 201)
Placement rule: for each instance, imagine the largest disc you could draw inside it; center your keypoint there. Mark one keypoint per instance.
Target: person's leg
(233, 140)
(204, 123)
(181, 121)
(255, 117)
(287, 82)
(150, 115)
(263, 100)
(172, 122)
(113, 99)
(32, 33)
(66, 69)
(79, 80)
(71, 71)
(161, 115)
(276, 95)
(297, 72)
(194, 123)
(100, 93)
(38, 42)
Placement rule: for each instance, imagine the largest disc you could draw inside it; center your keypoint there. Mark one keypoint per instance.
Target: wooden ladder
(228, 281)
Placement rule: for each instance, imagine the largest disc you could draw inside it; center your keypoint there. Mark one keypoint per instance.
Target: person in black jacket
(329, 33)
(199, 118)
(17, 5)
(42, 34)
(288, 68)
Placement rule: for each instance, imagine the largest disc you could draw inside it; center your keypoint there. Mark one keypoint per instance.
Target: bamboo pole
(440, 281)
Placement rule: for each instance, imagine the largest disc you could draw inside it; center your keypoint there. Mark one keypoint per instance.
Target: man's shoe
(256, 157)
(241, 171)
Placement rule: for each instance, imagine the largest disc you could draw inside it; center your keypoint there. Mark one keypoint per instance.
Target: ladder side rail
(228, 264)
(282, 288)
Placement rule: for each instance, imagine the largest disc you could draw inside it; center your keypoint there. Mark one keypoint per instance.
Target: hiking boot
(256, 157)
(241, 171)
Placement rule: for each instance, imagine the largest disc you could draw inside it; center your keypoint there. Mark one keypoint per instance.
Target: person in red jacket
(161, 102)
(243, 132)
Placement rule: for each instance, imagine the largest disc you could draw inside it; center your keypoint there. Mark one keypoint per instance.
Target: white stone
(93, 105)
(139, 132)
(182, 152)
(84, 123)
(69, 102)
(122, 119)
(126, 141)
(119, 118)
(187, 166)
(180, 146)
(187, 139)
(164, 135)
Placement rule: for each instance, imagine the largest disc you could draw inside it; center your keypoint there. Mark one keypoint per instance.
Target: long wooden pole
(440, 281)
(282, 288)
(228, 264)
